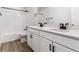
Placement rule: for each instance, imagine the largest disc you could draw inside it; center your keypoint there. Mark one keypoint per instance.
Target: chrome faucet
(42, 24)
(64, 26)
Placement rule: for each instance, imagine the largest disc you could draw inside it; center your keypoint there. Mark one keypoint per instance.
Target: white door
(44, 45)
(59, 48)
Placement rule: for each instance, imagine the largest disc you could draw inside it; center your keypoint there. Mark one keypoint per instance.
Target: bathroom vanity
(45, 39)
(48, 39)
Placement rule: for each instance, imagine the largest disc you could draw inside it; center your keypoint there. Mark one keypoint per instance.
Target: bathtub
(7, 37)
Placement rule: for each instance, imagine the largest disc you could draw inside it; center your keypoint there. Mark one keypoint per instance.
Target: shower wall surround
(12, 23)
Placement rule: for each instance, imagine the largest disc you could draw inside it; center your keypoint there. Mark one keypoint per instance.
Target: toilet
(23, 37)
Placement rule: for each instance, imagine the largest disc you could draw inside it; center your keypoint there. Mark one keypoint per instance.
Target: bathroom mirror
(75, 15)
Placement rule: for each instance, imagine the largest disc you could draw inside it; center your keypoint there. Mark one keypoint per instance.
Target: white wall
(33, 20)
(75, 18)
(75, 15)
(59, 15)
(12, 23)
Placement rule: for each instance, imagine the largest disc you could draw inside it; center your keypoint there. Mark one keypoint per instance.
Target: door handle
(49, 47)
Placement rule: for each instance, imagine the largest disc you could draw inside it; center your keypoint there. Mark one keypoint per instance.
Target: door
(44, 45)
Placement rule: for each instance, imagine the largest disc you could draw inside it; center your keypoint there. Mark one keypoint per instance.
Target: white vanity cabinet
(58, 42)
(41, 41)
(29, 38)
(44, 45)
(59, 48)
(33, 39)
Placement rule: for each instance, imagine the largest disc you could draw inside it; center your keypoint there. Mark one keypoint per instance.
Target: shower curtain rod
(14, 9)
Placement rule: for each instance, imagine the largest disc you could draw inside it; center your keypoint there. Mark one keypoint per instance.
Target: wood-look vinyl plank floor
(15, 46)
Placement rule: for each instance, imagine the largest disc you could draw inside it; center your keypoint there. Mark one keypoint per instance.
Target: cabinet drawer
(71, 43)
(33, 31)
(59, 48)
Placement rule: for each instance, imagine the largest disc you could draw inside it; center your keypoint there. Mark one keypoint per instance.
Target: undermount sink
(60, 30)
(56, 29)
(49, 28)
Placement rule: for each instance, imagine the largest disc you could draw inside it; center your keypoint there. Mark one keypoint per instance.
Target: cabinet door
(44, 45)
(29, 39)
(59, 48)
(33, 39)
(35, 43)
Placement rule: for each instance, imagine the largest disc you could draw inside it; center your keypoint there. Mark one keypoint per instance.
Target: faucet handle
(39, 23)
(66, 23)
(45, 23)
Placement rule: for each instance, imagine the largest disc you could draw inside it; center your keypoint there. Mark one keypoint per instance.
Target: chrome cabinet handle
(25, 29)
(49, 47)
(31, 36)
(53, 48)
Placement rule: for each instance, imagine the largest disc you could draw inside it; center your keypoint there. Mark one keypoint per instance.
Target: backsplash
(75, 27)
(56, 23)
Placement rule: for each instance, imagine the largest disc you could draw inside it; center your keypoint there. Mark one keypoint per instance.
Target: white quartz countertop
(73, 34)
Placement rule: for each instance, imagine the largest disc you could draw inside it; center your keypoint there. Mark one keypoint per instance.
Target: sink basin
(55, 29)
(46, 27)
(60, 30)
